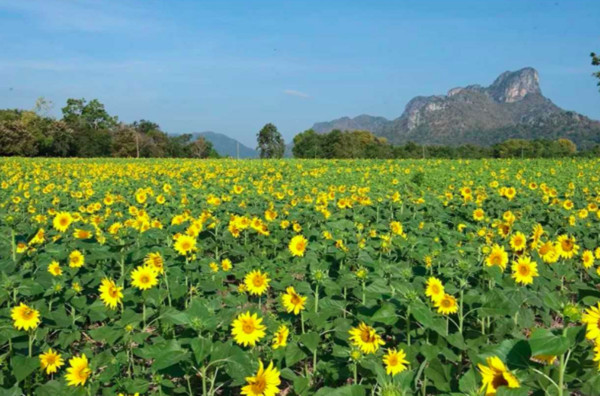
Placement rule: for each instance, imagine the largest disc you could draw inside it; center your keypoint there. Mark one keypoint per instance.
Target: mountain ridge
(512, 105)
(227, 146)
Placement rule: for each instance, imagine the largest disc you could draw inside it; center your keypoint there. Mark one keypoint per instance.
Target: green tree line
(87, 130)
(363, 144)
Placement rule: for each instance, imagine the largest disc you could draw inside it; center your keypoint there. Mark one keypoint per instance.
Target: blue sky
(232, 66)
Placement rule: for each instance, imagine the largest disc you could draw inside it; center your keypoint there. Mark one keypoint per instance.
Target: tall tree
(596, 62)
(92, 127)
(270, 142)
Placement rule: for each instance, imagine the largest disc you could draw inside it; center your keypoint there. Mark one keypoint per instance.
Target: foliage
(270, 143)
(87, 130)
(347, 241)
(596, 62)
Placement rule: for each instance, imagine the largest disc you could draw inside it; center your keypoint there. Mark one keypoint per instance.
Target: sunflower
(478, 214)
(518, 241)
(76, 259)
(446, 305)
(185, 244)
(264, 383)
(597, 354)
(524, 270)
(226, 265)
(292, 301)
(395, 361)
(62, 221)
(110, 293)
(280, 337)
(588, 258)
(435, 289)
(591, 318)
(495, 375)
(548, 252)
(497, 256)
(54, 268)
(298, 245)
(155, 260)
(247, 329)
(366, 338)
(144, 277)
(51, 361)
(257, 282)
(78, 372)
(566, 246)
(82, 234)
(25, 317)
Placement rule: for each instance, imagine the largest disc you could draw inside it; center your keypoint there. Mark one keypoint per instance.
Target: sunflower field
(299, 277)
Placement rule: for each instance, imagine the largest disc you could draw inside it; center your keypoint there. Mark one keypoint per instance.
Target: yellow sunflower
(185, 244)
(497, 256)
(548, 252)
(110, 293)
(144, 277)
(155, 260)
(591, 317)
(247, 329)
(495, 374)
(587, 258)
(280, 337)
(566, 246)
(435, 289)
(446, 305)
(76, 259)
(365, 338)
(292, 301)
(518, 241)
(62, 221)
(478, 214)
(298, 245)
(395, 361)
(25, 317)
(51, 361)
(257, 282)
(264, 383)
(54, 268)
(524, 270)
(79, 371)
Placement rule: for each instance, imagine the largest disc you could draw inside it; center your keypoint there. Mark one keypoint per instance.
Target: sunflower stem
(13, 245)
(144, 313)
(355, 372)
(167, 286)
(408, 325)
(203, 372)
(460, 315)
(302, 320)
(317, 298)
(31, 338)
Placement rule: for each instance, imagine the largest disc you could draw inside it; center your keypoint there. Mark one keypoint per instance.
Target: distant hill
(226, 146)
(511, 107)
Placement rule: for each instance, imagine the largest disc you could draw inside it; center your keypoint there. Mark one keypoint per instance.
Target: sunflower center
(366, 336)
(185, 245)
(50, 360)
(28, 313)
(523, 270)
(63, 221)
(435, 289)
(567, 245)
(495, 259)
(446, 303)
(295, 300)
(499, 381)
(259, 385)
(248, 327)
(144, 279)
(257, 281)
(393, 360)
(113, 292)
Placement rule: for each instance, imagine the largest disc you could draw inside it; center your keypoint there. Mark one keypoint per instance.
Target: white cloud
(293, 92)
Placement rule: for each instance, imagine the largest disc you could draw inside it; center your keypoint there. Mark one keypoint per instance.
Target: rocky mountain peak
(511, 87)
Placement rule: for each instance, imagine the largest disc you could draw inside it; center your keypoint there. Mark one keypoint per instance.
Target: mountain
(226, 146)
(513, 106)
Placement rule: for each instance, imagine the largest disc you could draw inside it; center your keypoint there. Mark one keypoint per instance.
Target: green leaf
(348, 390)
(310, 340)
(293, 354)
(544, 342)
(386, 314)
(23, 366)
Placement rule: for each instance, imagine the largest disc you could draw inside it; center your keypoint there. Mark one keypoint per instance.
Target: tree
(270, 142)
(16, 139)
(92, 127)
(308, 144)
(201, 148)
(596, 62)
